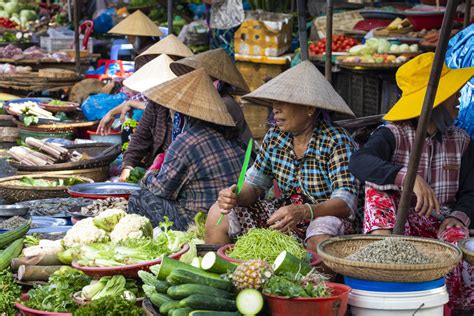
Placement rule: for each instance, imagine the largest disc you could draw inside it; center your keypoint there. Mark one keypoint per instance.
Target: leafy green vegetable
(109, 306)
(32, 240)
(136, 175)
(30, 119)
(57, 103)
(114, 287)
(50, 183)
(10, 292)
(294, 285)
(61, 116)
(56, 296)
(91, 290)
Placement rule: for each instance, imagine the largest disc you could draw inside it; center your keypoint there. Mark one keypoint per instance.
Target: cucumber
(162, 286)
(213, 263)
(12, 251)
(196, 262)
(168, 265)
(179, 276)
(14, 234)
(201, 301)
(213, 313)
(249, 302)
(185, 290)
(286, 262)
(156, 298)
(167, 306)
(184, 311)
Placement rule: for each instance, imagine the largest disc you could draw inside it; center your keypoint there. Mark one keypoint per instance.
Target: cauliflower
(84, 233)
(109, 218)
(131, 226)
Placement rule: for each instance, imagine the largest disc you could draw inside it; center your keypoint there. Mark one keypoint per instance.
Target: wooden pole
(329, 16)
(425, 117)
(467, 13)
(76, 36)
(170, 16)
(301, 8)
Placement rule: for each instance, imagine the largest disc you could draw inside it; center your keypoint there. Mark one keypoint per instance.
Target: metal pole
(329, 16)
(76, 36)
(303, 35)
(170, 16)
(467, 13)
(425, 117)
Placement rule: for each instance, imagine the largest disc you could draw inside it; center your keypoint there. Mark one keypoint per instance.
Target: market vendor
(202, 160)
(444, 185)
(227, 78)
(308, 158)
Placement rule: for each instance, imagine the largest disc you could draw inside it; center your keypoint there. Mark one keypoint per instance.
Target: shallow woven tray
(17, 193)
(468, 255)
(334, 251)
(92, 150)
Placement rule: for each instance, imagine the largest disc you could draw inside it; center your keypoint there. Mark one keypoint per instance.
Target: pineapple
(251, 274)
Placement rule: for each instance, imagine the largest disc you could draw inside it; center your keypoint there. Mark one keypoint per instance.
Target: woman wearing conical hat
(227, 78)
(202, 160)
(444, 185)
(308, 158)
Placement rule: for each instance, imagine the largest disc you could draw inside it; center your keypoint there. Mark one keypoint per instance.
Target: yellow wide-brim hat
(412, 79)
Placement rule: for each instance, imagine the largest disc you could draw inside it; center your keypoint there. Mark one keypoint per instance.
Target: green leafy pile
(265, 244)
(29, 181)
(109, 306)
(56, 296)
(113, 286)
(10, 292)
(295, 285)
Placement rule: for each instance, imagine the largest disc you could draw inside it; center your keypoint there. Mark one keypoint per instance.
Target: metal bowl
(13, 210)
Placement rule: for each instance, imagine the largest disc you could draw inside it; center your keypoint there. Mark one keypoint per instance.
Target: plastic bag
(104, 20)
(460, 54)
(96, 106)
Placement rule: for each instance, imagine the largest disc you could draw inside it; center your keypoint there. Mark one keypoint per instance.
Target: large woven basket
(13, 193)
(334, 251)
(468, 255)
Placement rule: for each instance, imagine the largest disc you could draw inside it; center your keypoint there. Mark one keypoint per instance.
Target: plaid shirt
(440, 161)
(198, 164)
(322, 173)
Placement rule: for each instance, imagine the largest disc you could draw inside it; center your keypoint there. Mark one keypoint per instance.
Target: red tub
(335, 305)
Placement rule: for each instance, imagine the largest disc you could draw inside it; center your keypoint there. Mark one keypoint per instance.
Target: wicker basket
(334, 251)
(17, 193)
(468, 255)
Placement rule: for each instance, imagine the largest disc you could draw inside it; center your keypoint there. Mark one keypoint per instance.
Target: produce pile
(265, 244)
(30, 182)
(33, 53)
(390, 250)
(341, 43)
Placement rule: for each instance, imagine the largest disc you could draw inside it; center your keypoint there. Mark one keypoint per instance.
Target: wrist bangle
(310, 210)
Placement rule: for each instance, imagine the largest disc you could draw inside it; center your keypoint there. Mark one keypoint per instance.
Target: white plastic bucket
(417, 303)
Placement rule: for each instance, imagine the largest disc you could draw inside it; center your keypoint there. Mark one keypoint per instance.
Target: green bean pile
(265, 244)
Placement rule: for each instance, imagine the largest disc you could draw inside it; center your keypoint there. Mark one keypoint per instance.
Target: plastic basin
(311, 306)
(425, 20)
(129, 271)
(222, 251)
(26, 311)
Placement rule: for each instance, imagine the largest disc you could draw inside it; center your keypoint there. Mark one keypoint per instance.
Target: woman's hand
(227, 199)
(426, 200)
(287, 217)
(106, 122)
(125, 174)
(450, 222)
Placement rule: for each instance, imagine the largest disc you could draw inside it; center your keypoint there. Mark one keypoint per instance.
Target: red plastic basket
(335, 305)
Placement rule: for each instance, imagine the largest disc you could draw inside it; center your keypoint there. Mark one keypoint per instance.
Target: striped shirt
(322, 173)
(198, 164)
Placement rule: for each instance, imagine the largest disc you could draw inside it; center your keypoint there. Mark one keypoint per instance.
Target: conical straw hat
(137, 24)
(192, 94)
(152, 74)
(302, 84)
(217, 64)
(170, 46)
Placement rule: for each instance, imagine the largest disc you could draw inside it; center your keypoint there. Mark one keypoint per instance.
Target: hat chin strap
(442, 119)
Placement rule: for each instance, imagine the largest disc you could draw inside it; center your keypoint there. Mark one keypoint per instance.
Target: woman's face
(293, 118)
(452, 104)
